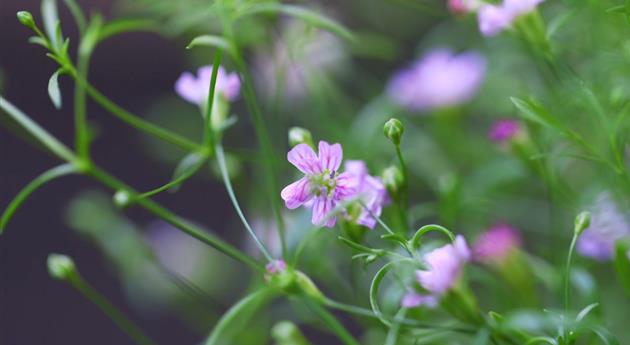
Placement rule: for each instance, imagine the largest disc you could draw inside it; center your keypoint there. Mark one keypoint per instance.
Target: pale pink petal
(347, 185)
(231, 86)
(305, 159)
(297, 193)
(321, 208)
(330, 156)
(187, 87)
(412, 299)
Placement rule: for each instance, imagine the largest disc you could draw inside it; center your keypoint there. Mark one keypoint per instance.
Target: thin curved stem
(567, 274)
(340, 331)
(175, 220)
(228, 186)
(38, 182)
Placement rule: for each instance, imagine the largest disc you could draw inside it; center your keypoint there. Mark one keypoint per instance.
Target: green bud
(393, 180)
(61, 266)
(307, 286)
(26, 18)
(287, 333)
(582, 221)
(394, 130)
(299, 135)
(122, 198)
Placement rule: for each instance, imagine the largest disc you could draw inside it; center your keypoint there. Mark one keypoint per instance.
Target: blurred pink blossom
(371, 192)
(438, 79)
(445, 266)
(496, 243)
(608, 225)
(504, 130)
(195, 89)
(495, 18)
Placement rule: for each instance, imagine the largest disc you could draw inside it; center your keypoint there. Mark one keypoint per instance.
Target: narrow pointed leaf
(120, 26)
(622, 265)
(211, 41)
(535, 113)
(51, 20)
(34, 185)
(584, 312)
(235, 320)
(186, 168)
(53, 89)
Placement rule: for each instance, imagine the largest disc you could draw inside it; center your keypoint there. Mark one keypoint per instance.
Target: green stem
(208, 130)
(404, 195)
(567, 274)
(265, 145)
(228, 187)
(163, 213)
(134, 120)
(133, 331)
(392, 335)
(81, 139)
(330, 320)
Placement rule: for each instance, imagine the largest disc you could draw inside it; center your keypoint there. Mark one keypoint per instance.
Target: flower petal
(304, 158)
(321, 208)
(297, 193)
(330, 156)
(187, 88)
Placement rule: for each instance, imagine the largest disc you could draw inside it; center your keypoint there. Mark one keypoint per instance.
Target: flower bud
(26, 18)
(61, 266)
(582, 221)
(287, 333)
(393, 180)
(299, 135)
(122, 198)
(307, 286)
(394, 130)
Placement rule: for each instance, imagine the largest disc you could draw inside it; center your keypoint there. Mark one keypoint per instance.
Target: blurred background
(174, 287)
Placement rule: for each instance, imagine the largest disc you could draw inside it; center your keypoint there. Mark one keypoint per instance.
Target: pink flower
(463, 6)
(444, 268)
(494, 244)
(504, 130)
(322, 186)
(195, 89)
(371, 192)
(439, 79)
(276, 266)
(608, 225)
(495, 18)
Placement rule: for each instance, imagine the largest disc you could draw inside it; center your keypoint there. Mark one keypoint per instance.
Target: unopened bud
(307, 286)
(394, 130)
(393, 180)
(26, 18)
(287, 333)
(299, 135)
(122, 198)
(61, 266)
(582, 221)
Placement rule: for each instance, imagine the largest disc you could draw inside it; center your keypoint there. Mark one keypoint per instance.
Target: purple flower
(496, 243)
(504, 130)
(607, 226)
(463, 6)
(322, 186)
(439, 79)
(371, 192)
(495, 18)
(195, 89)
(444, 268)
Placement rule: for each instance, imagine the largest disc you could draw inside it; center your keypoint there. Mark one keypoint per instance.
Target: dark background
(131, 70)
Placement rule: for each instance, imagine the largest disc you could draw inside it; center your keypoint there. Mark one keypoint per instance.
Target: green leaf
(51, 22)
(604, 335)
(622, 265)
(34, 185)
(76, 12)
(120, 26)
(621, 9)
(186, 168)
(36, 131)
(536, 113)
(53, 89)
(304, 14)
(356, 246)
(584, 312)
(38, 40)
(91, 36)
(235, 319)
(211, 41)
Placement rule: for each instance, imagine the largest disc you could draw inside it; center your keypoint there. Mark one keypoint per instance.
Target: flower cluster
(608, 225)
(437, 80)
(445, 266)
(324, 187)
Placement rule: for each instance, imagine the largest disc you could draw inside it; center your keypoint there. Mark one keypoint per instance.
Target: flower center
(324, 183)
